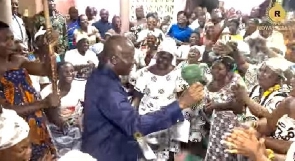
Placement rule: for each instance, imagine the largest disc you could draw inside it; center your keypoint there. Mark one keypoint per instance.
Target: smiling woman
(70, 110)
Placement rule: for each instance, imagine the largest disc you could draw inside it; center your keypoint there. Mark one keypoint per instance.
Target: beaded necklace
(271, 90)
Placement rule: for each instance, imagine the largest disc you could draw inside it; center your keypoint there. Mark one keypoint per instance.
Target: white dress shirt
(74, 57)
(18, 29)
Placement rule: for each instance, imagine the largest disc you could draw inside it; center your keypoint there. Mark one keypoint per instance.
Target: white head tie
(278, 65)
(13, 129)
(76, 155)
(168, 45)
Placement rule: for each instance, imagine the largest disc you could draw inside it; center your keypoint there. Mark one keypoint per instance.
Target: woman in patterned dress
(269, 96)
(221, 103)
(17, 93)
(157, 86)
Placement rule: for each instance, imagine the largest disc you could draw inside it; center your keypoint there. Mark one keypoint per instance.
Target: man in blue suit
(110, 122)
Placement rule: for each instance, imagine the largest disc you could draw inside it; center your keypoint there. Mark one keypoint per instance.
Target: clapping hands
(244, 141)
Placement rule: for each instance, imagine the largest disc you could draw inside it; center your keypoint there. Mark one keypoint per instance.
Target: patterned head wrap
(13, 129)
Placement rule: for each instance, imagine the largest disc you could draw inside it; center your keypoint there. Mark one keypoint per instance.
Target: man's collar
(106, 70)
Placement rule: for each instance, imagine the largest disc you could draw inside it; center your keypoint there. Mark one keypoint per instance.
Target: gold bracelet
(270, 154)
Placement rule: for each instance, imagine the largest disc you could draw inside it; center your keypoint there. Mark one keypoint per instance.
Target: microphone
(192, 73)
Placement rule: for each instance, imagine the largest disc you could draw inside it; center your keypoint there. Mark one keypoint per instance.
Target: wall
(5, 10)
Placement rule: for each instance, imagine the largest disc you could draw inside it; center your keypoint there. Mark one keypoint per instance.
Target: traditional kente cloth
(16, 88)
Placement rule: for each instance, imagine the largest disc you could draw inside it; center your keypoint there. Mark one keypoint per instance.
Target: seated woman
(209, 34)
(149, 49)
(194, 41)
(181, 32)
(151, 28)
(71, 93)
(15, 142)
(86, 31)
(83, 59)
(14, 136)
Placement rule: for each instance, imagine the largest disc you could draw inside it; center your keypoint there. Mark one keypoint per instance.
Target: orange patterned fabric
(16, 89)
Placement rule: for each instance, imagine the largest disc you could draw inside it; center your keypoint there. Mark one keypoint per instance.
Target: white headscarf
(76, 155)
(169, 45)
(278, 65)
(13, 129)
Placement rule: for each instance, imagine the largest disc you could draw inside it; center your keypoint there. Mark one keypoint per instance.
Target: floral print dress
(159, 91)
(222, 121)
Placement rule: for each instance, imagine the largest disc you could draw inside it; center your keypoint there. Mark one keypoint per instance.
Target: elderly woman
(15, 142)
(246, 70)
(279, 122)
(267, 97)
(156, 87)
(14, 137)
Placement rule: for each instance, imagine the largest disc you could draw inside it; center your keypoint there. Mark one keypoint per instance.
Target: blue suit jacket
(110, 121)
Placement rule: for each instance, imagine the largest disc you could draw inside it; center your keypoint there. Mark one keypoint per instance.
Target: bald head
(118, 54)
(118, 45)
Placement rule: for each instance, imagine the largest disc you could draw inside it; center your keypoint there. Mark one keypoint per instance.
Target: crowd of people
(211, 87)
